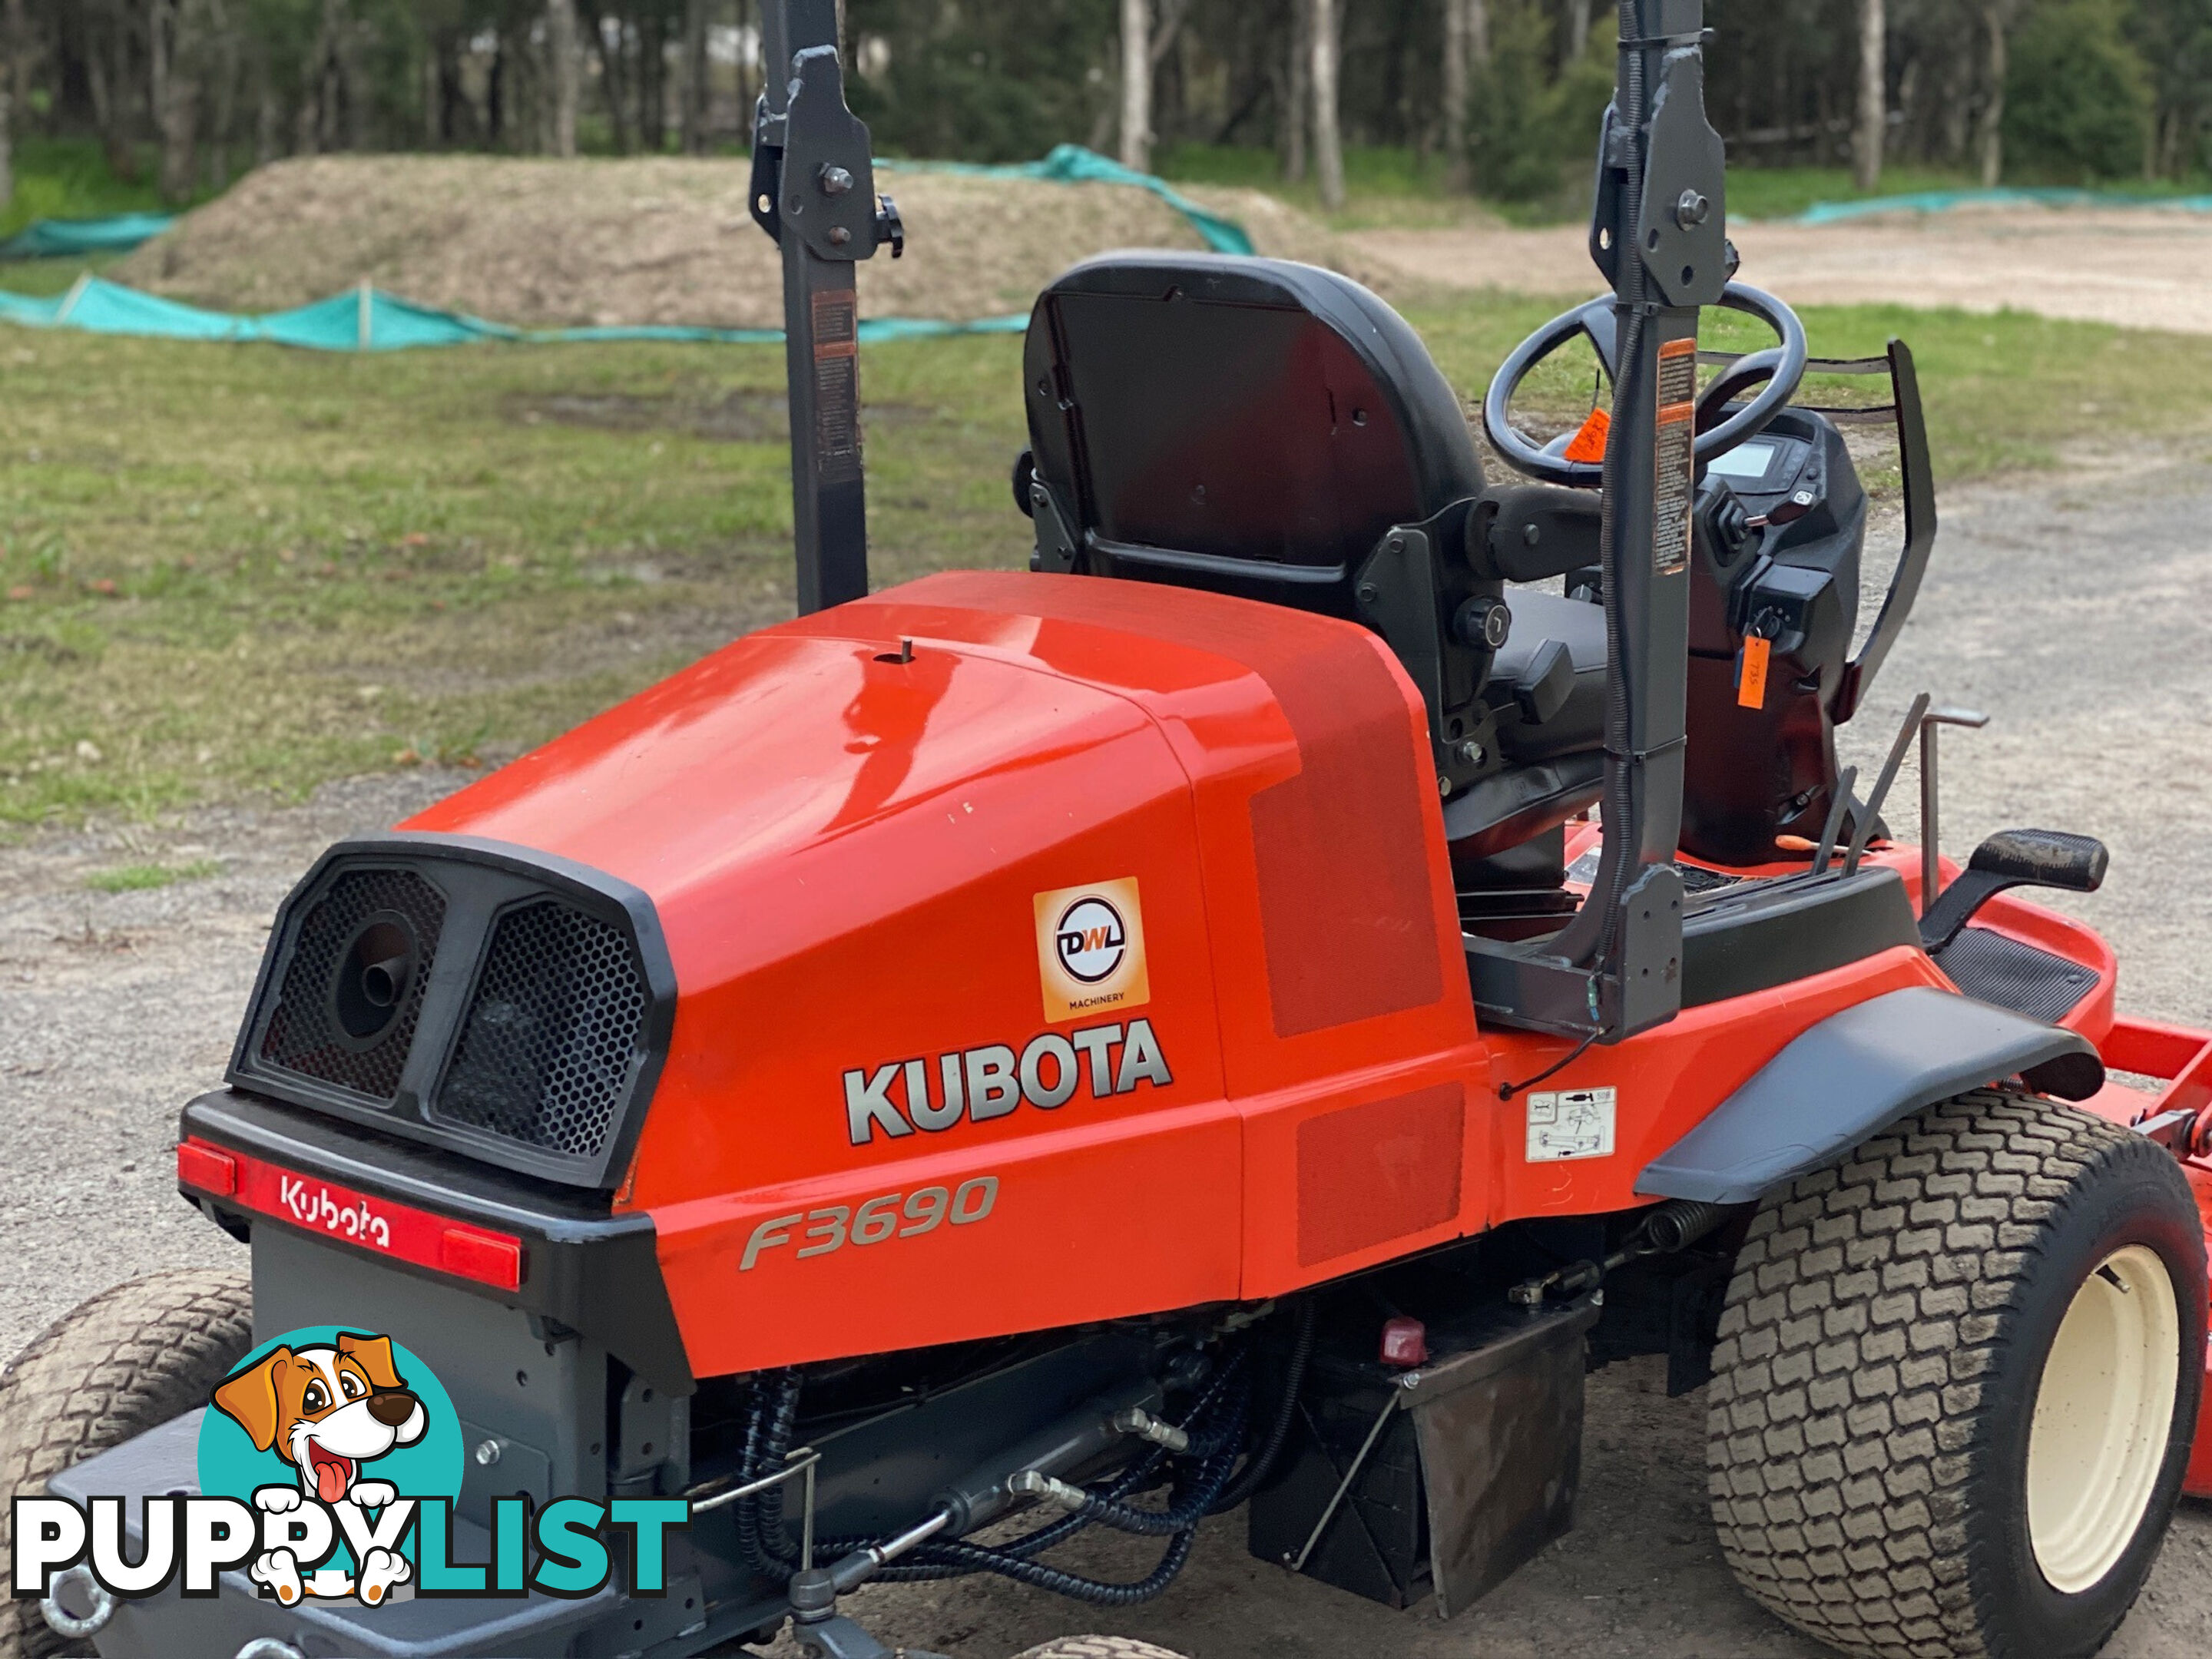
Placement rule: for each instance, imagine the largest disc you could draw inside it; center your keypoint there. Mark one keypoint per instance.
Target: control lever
(1931, 858)
(1864, 829)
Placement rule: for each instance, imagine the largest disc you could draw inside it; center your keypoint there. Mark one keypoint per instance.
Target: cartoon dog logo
(327, 1411)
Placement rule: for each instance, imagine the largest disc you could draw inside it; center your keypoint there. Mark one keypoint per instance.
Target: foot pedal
(2014, 858)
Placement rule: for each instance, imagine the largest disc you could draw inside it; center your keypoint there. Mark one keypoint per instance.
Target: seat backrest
(1246, 426)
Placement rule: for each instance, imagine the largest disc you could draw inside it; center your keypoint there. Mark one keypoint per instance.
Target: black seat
(1247, 426)
(1276, 432)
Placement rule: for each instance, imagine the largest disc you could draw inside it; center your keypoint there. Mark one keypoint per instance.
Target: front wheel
(1956, 1384)
(1097, 1647)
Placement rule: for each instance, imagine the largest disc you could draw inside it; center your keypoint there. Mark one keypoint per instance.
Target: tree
(14, 90)
(1996, 19)
(1578, 28)
(1328, 142)
(2078, 104)
(1137, 85)
(1466, 43)
(1298, 91)
(696, 87)
(564, 73)
(1874, 97)
(1455, 98)
(172, 89)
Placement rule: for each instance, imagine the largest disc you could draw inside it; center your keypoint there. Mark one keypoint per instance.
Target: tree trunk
(612, 76)
(496, 93)
(564, 73)
(653, 83)
(1578, 28)
(1478, 30)
(15, 89)
(352, 80)
(1297, 101)
(697, 87)
(173, 90)
(1328, 144)
(266, 117)
(222, 66)
(1874, 97)
(107, 76)
(1137, 85)
(1993, 20)
(1454, 99)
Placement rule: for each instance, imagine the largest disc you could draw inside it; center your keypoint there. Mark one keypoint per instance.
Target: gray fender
(1853, 1075)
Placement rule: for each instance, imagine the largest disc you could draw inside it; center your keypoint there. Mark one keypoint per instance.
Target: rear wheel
(131, 1359)
(1956, 1382)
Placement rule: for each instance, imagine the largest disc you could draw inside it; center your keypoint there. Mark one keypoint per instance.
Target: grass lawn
(229, 569)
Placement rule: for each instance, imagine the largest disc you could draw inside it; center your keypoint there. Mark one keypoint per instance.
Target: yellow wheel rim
(2103, 1412)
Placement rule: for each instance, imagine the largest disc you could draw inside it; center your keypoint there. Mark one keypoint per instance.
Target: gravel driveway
(2139, 267)
(2069, 608)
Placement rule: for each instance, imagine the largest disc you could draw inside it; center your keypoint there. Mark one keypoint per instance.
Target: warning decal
(1674, 479)
(837, 385)
(1570, 1123)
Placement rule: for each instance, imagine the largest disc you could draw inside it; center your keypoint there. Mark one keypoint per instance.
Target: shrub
(2077, 96)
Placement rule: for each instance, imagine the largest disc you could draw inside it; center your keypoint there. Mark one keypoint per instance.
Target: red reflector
(485, 1257)
(1405, 1342)
(377, 1226)
(209, 1169)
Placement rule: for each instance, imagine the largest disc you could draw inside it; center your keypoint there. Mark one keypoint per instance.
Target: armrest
(1531, 532)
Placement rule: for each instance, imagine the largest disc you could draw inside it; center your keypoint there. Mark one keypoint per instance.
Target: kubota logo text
(980, 1083)
(315, 1207)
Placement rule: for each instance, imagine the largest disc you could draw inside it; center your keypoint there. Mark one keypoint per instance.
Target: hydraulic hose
(1217, 1421)
(1278, 1431)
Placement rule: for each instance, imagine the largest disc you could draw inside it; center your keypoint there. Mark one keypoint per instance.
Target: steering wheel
(1781, 368)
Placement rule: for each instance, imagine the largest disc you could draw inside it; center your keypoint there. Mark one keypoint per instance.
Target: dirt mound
(547, 244)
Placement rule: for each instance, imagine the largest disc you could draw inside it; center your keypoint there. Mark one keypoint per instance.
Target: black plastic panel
(532, 1024)
(305, 1033)
(544, 1053)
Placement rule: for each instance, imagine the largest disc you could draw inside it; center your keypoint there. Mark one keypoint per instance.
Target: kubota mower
(1247, 1012)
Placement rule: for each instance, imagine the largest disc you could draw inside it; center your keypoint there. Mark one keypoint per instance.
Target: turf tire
(130, 1359)
(1097, 1647)
(1877, 1373)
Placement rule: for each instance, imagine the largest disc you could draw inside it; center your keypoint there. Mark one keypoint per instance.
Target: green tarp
(73, 239)
(369, 319)
(1072, 164)
(1942, 201)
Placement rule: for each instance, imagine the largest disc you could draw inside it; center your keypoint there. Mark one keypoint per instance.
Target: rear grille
(303, 1034)
(551, 1036)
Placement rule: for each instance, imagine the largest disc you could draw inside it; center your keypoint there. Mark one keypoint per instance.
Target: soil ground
(544, 244)
(2061, 605)
(2143, 267)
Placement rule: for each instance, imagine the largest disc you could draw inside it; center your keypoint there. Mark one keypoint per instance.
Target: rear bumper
(595, 1272)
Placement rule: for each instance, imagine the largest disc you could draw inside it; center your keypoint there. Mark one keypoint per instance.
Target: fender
(1853, 1075)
